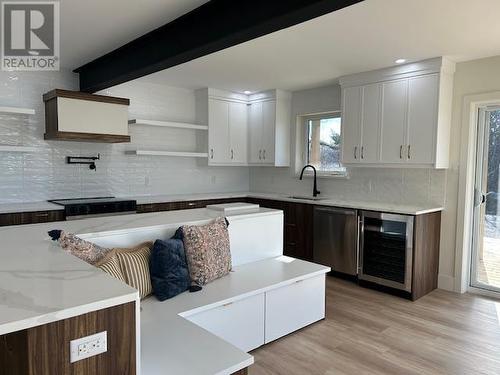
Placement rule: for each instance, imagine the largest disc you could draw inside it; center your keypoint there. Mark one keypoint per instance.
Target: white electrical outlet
(88, 346)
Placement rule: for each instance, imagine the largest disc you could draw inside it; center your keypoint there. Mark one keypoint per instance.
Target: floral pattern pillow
(85, 250)
(207, 250)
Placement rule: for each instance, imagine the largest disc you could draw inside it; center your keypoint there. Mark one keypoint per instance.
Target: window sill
(327, 175)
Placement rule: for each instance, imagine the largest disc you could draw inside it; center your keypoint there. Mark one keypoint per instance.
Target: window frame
(305, 144)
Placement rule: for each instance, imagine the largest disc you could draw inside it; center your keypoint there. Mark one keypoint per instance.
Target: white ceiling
(366, 36)
(91, 28)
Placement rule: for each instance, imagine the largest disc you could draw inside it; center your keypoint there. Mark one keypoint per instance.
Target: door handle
(479, 197)
(409, 152)
(401, 152)
(332, 210)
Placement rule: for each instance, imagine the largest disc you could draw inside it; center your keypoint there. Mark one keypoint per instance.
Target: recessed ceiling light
(400, 61)
(246, 92)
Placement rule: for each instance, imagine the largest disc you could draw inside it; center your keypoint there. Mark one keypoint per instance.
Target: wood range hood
(78, 116)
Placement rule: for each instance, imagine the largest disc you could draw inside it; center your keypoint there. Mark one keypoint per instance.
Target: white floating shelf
(17, 110)
(167, 124)
(4, 148)
(169, 153)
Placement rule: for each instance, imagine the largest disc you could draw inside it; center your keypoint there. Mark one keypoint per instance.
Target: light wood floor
(367, 332)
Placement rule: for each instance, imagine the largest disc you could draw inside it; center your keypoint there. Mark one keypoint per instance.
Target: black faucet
(315, 186)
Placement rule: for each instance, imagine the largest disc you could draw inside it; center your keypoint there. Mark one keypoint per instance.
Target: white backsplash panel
(44, 174)
(386, 185)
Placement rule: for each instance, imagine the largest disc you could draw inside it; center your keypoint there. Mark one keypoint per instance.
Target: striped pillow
(112, 266)
(135, 268)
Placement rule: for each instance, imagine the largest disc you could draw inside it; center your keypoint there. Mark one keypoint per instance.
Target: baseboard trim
(446, 282)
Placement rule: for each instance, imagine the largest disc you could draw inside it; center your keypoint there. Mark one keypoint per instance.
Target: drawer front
(294, 306)
(240, 323)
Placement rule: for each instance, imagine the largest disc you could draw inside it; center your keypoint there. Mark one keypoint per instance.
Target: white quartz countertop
(40, 283)
(170, 343)
(407, 209)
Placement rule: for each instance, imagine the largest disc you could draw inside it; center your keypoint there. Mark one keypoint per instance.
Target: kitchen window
(323, 148)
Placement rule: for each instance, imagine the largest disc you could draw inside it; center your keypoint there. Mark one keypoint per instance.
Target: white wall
(471, 77)
(44, 175)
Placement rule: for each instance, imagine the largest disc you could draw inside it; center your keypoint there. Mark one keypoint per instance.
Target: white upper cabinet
(269, 129)
(394, 112)
(370, 124)
(246, 130)
(227, 129)
(351, 124)
(398, 116)
(361, 124)
(218, 131)
(255, 133)
(423, 98)
(238, 132)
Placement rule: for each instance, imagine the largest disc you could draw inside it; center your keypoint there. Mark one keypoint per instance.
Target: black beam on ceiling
(214, 26)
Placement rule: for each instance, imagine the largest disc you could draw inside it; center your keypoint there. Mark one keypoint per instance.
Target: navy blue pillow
(168, 268)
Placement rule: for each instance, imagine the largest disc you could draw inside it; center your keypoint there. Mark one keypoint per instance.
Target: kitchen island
(49, 297)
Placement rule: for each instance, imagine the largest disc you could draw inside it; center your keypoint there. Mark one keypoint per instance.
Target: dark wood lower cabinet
(425, 261)
(426, 240)
(19, 218)
(183, 205)
(45, 350)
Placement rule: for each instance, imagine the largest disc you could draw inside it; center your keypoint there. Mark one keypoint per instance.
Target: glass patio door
(485, 265)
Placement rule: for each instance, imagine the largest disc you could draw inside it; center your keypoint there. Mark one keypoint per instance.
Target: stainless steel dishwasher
(335, 241)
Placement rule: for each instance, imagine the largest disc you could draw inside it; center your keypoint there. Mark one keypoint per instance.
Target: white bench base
(256, 304)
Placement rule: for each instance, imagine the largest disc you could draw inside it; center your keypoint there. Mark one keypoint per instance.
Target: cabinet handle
(401, 152)
(46, 214)
(211, 153)
(355, 152)
(264, 154)
(260, 154)
(191, 204)
(409, 151)
(362, 152)
(227, 304)
(232, 154)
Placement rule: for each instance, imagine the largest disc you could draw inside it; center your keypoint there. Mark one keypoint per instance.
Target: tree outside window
(324, 143)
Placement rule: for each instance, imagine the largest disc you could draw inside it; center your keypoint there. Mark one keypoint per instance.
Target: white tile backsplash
(42, 175)
(45, 175)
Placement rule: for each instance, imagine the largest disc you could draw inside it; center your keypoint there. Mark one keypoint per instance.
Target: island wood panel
(46, 349)
(243, 371)
(19, 218)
